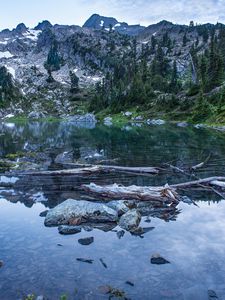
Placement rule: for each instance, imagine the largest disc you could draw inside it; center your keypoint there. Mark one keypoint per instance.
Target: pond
(38, 260)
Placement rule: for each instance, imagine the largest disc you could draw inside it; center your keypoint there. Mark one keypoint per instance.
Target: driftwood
(214, 181)
(93, 169)
(164, 194)
(156, 194)
(200, 165)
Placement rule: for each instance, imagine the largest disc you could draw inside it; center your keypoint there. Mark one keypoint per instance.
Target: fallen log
(215, 181)
(160, 194)
(93, 169)
(202, 164)
(165, 194)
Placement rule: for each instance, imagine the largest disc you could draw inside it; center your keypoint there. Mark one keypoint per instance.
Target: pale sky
(143, 12)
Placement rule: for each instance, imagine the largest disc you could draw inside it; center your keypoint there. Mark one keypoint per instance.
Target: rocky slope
(44, 62)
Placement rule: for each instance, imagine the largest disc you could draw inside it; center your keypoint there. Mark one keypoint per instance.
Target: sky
(144, 12)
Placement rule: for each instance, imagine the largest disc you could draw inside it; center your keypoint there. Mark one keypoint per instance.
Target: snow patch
(102, 23)
(5, 179)
(9, 116)
(5, 54)
(32, 34)
(11, 71)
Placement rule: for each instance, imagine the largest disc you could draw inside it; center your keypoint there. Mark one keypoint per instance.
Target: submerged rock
(64, 229)
(212, 295)
(1, 263)
(103, 263)
(88, 261)
(66, 212)
(130, 220)
(86, 241)
(157, 259)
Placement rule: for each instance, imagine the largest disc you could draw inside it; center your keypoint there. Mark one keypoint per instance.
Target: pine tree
(174, 86)
(74, 82)
(54, 61)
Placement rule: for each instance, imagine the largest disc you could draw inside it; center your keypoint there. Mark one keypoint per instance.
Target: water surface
(38, 260)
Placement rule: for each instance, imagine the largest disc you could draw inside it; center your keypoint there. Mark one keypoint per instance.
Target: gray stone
(155, 122)
(69, 210)
(182, 124)
(64, 229)
(120, 206)
(128, 114)
(130, 220)
(65, 157)
(108, 121)
(36, 115)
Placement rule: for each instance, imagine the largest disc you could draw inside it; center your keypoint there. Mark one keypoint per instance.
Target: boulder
(87, 118)
(182, 124)
(85, 211)
(128, 114)
(155, 122)
(36, 115)
(65, 157)
(120, 206)
(108, 121)
(130, 220)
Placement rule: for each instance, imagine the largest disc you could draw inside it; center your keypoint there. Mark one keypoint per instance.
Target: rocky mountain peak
(100, 22)
(43, 25)
(97, 22)
(21, 28)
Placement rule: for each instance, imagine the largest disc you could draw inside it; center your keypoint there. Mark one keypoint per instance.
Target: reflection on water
(39, 260)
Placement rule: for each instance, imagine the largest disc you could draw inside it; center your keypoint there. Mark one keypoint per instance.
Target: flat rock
(66, 212)
(64, 229)
(130, 220)
(86, 241)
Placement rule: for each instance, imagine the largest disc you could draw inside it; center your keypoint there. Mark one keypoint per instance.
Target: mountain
(55, 66)
(105, 23)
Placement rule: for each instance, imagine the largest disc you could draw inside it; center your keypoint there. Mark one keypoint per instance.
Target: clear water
(40, 261)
